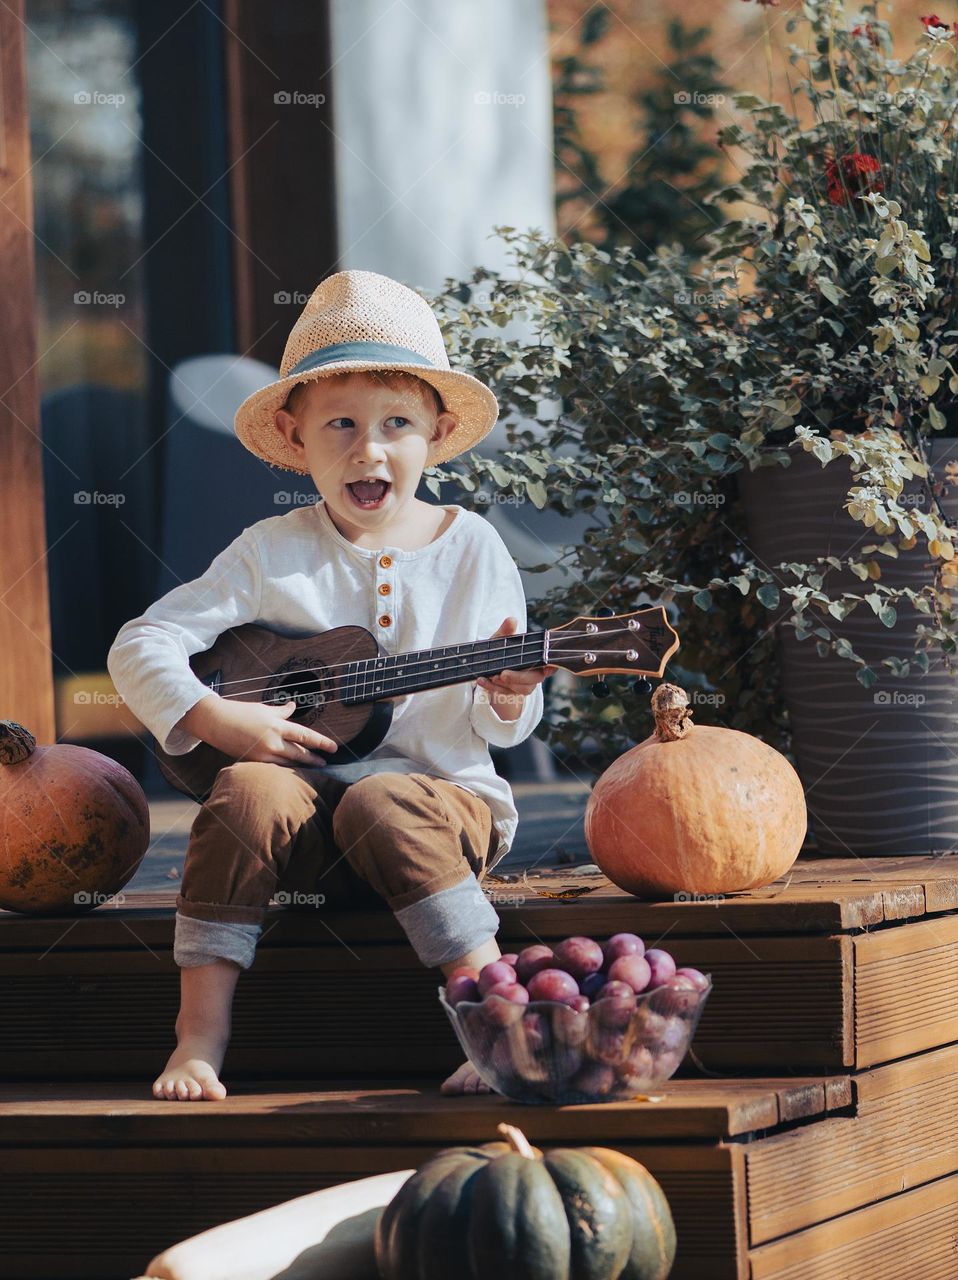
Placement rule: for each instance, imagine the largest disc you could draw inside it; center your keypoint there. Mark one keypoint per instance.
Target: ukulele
(343, 681)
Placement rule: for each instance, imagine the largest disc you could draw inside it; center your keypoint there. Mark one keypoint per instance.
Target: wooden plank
(906, 989)
(779, 1005)
(808, 900)
(168, 1194)
(912, 1234)
(399, 1111)
(900, 1136)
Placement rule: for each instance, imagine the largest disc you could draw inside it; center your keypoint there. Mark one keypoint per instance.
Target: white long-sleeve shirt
(298, 574)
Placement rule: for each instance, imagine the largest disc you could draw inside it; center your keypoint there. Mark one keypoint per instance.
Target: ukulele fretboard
(395, 674)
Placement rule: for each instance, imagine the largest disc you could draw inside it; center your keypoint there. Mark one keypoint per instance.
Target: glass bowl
(547, 1052)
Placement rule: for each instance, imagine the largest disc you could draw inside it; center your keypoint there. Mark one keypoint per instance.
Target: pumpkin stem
(16, 743)
(673, 715)
(518, 1139)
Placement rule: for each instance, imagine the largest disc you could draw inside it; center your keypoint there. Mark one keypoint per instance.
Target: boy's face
(348, 428)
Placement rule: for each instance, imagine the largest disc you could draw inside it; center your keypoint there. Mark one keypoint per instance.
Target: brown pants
(418, 844)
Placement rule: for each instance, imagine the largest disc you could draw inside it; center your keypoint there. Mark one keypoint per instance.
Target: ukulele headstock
(630, 644)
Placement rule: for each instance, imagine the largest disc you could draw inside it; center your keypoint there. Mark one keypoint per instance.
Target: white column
(442, 111)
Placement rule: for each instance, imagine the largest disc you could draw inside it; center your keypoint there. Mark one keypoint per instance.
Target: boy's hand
(256, 731)
(507, 691)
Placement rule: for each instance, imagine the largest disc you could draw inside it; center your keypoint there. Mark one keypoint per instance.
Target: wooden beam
(281, 156)
(26, 669)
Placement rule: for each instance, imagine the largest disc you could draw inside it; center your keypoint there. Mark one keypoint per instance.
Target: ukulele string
(335, 666)
(386, 682)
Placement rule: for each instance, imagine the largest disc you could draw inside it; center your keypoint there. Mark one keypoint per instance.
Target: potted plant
(854, 304)
(812, 346)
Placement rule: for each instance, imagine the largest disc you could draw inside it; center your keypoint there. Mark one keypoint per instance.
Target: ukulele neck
(394, 674)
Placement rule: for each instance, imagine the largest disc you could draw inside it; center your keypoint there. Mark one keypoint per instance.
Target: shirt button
(385, 589)
(386, 561)
(385, 620)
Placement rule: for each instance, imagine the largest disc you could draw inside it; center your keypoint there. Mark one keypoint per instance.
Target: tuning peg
(642, 685)
(605, 612)
(600, 689)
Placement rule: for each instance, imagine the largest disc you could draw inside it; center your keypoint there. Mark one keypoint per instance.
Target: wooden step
(837, 1177)
(842, 965)
(129, 1175)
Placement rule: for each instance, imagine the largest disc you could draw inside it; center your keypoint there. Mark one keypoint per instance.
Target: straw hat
(358, 320)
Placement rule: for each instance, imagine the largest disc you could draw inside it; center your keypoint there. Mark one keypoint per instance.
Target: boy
(365, 400)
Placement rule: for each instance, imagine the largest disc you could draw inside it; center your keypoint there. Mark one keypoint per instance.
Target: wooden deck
(811, 1137)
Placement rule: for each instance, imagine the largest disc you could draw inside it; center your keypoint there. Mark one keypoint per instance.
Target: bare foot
(191, 1075)
(465, 1079)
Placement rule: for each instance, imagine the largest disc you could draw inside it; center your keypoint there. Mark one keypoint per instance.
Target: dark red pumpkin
(506, 1211)
(74, 825)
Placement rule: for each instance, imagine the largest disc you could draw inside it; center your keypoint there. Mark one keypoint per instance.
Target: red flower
(934, 21)
(852, 174)
(866, 29)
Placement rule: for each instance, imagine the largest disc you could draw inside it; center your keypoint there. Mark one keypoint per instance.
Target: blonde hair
(397, 379)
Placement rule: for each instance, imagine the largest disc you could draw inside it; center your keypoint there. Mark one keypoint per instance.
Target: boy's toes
(209, 1086)
(192, 1082)
(464, 1079)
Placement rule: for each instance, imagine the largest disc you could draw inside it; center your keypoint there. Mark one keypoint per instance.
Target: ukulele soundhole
(306, 681)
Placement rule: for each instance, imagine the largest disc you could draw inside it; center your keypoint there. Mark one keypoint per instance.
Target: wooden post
(282, 185)
(26, 671)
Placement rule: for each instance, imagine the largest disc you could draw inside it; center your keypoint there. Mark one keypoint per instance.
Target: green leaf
(889, 615)
(865, 676)
(703, 599)
(829, 290)
(769, 595)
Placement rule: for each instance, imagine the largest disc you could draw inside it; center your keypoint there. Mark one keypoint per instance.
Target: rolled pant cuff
(197, 942)
(219, 912)
(450, 923)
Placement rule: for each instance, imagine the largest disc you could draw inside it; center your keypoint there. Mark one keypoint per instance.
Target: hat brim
(471, 402)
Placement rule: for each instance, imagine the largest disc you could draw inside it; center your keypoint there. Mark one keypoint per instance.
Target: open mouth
(369, 494)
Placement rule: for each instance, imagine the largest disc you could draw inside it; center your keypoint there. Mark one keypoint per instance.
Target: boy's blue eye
(335, 422)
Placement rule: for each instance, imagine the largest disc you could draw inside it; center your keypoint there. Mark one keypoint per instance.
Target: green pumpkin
(505, 1211)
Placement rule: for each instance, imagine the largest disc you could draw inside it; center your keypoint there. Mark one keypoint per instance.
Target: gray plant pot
(880, 765)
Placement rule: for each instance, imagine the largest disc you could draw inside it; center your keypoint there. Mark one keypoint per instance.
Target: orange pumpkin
(74, 825)
(695, 809)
